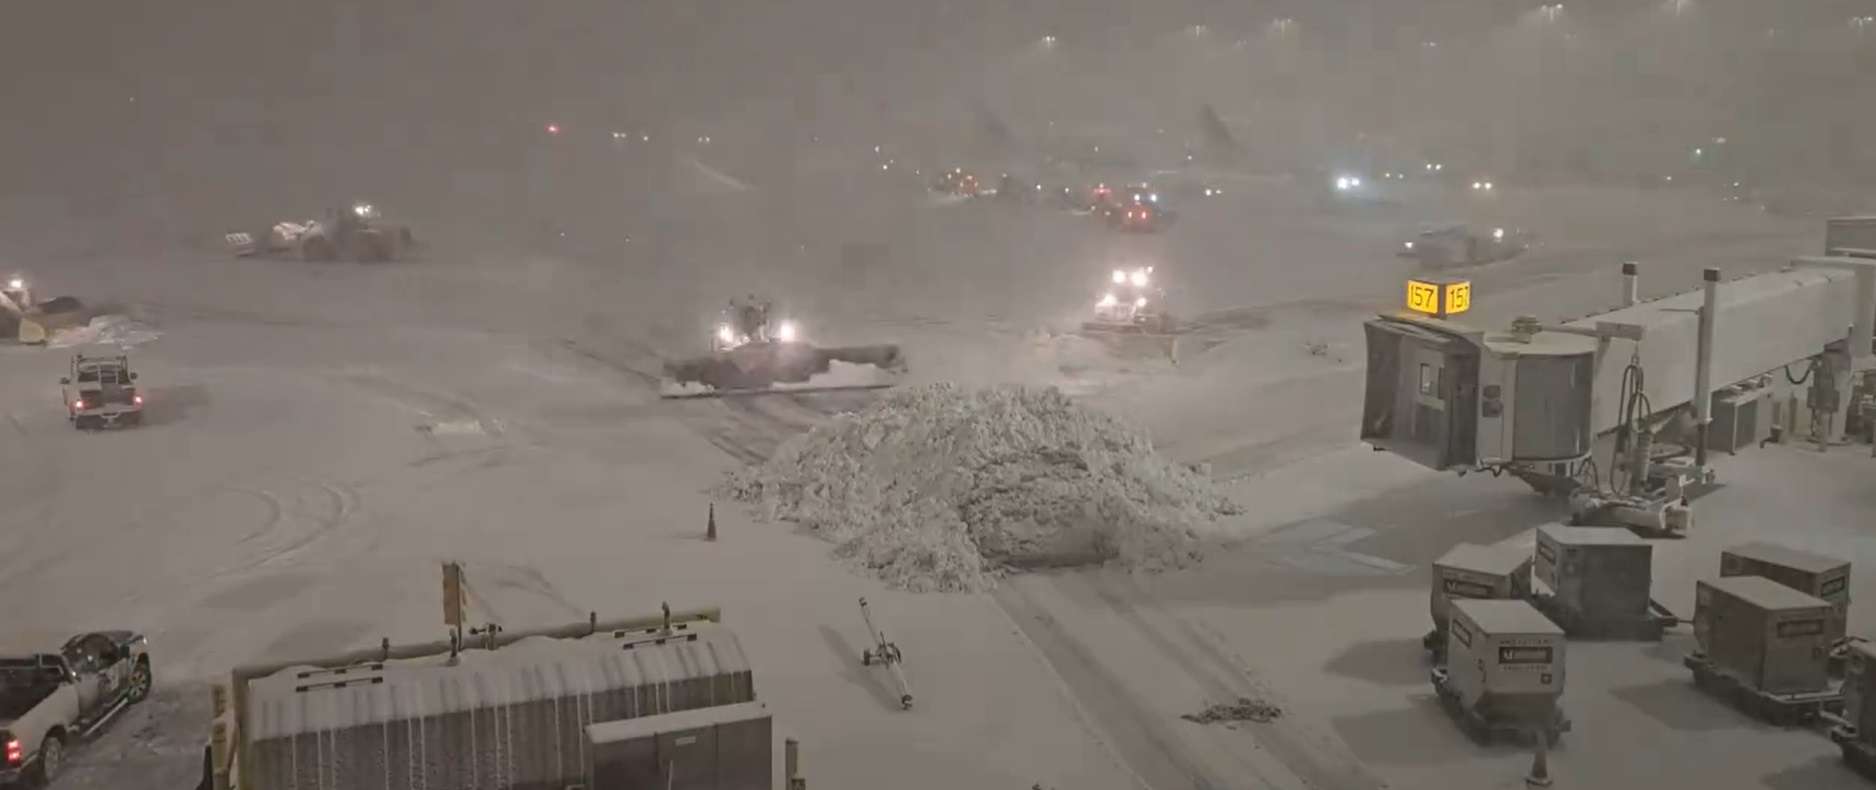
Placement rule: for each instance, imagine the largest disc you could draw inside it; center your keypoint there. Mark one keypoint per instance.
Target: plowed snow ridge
(937, 488)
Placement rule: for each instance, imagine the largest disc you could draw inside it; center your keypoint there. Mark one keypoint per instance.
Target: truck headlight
(785, 331)
(1140, 302)
(1138, 278)
(1407, 244)
(1107, 300)
(16, 284)
(1120, 277)
(362, 209)
(1498, 234)
(726, 334)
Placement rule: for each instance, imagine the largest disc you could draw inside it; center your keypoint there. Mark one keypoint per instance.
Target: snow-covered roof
(307, 699)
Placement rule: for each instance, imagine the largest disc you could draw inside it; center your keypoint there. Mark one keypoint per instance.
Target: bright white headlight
(1107, 300)
(1498, 233)
(362, 209)
(16, 283)
(1407, 244)
(1140, 302)
(1344, 183)
(1138, 278)
(725, 333)
(1120, 277)
(785, 332)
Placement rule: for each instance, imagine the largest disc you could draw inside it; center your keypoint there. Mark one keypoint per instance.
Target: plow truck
(358, 233)
(24, 318)
(751, 353)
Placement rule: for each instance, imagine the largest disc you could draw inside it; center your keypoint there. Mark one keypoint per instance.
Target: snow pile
(1245, 709)
(105, 330)
(937, 488)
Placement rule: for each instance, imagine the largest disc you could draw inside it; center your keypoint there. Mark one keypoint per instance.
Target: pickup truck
(101, 391)
(49, 701)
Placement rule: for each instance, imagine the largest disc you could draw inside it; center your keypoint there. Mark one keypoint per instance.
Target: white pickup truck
(49, 701)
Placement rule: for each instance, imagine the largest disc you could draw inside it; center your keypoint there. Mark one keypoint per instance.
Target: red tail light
(78, 404)
(14, 755)
(137, 399)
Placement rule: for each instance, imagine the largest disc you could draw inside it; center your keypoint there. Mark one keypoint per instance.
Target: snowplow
(749, 354)
(355, 234)
(1133, 304)
(30, 321)
(1132, 310)
(1456, 245)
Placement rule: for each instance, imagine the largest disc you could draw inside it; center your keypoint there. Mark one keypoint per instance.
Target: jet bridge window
(1426, 379)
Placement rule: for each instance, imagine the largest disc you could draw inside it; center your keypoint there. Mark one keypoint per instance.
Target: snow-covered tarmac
(321, 436)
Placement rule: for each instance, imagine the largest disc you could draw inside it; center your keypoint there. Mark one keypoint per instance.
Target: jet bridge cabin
(1450, 397)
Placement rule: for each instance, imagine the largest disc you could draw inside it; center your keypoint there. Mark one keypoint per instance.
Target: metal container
(1812, 574)
(1598, 575)
(1478, 572)
(720, 748)
(1505, 661)
(518, 711)
(1859, 691)
(1772, 637)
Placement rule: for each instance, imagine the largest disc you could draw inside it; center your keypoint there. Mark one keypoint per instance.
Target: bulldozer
(355, 234)
(30, 321)
(750, 353)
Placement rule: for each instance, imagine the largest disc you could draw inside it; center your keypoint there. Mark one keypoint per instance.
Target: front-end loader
(355, 234)
(750, 354)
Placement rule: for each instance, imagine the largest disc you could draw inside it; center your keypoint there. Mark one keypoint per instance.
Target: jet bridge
(1535, 399)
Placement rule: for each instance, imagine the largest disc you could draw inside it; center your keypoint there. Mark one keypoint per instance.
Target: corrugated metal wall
(513, 719)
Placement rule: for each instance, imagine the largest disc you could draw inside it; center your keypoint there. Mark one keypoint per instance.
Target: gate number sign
(1439, 297)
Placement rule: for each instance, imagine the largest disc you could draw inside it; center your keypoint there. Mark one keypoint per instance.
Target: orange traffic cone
(1540, 764)
(710, 531)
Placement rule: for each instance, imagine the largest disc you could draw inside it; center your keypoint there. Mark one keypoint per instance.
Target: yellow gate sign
(1439, 297)
(1458, 297)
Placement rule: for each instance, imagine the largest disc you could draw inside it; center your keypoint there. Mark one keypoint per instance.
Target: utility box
(1505, 667)
(727, 747)
(1600, 580)
(1472, 571)
(1741, 419)
(1773, 638)
(1815, 575)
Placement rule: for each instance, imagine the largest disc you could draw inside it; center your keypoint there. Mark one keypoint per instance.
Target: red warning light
(553, 128)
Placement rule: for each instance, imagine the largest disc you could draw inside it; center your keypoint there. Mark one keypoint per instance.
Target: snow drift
(937, 488)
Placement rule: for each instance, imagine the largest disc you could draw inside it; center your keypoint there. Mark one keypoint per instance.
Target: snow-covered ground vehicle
(1132, 303)
(1457, 245)
(50, 701)
(356, 234)
(558, 707)
(25, 318)
(101, 392)
(750, 353)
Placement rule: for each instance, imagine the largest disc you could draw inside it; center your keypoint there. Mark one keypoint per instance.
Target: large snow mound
(938, 488)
